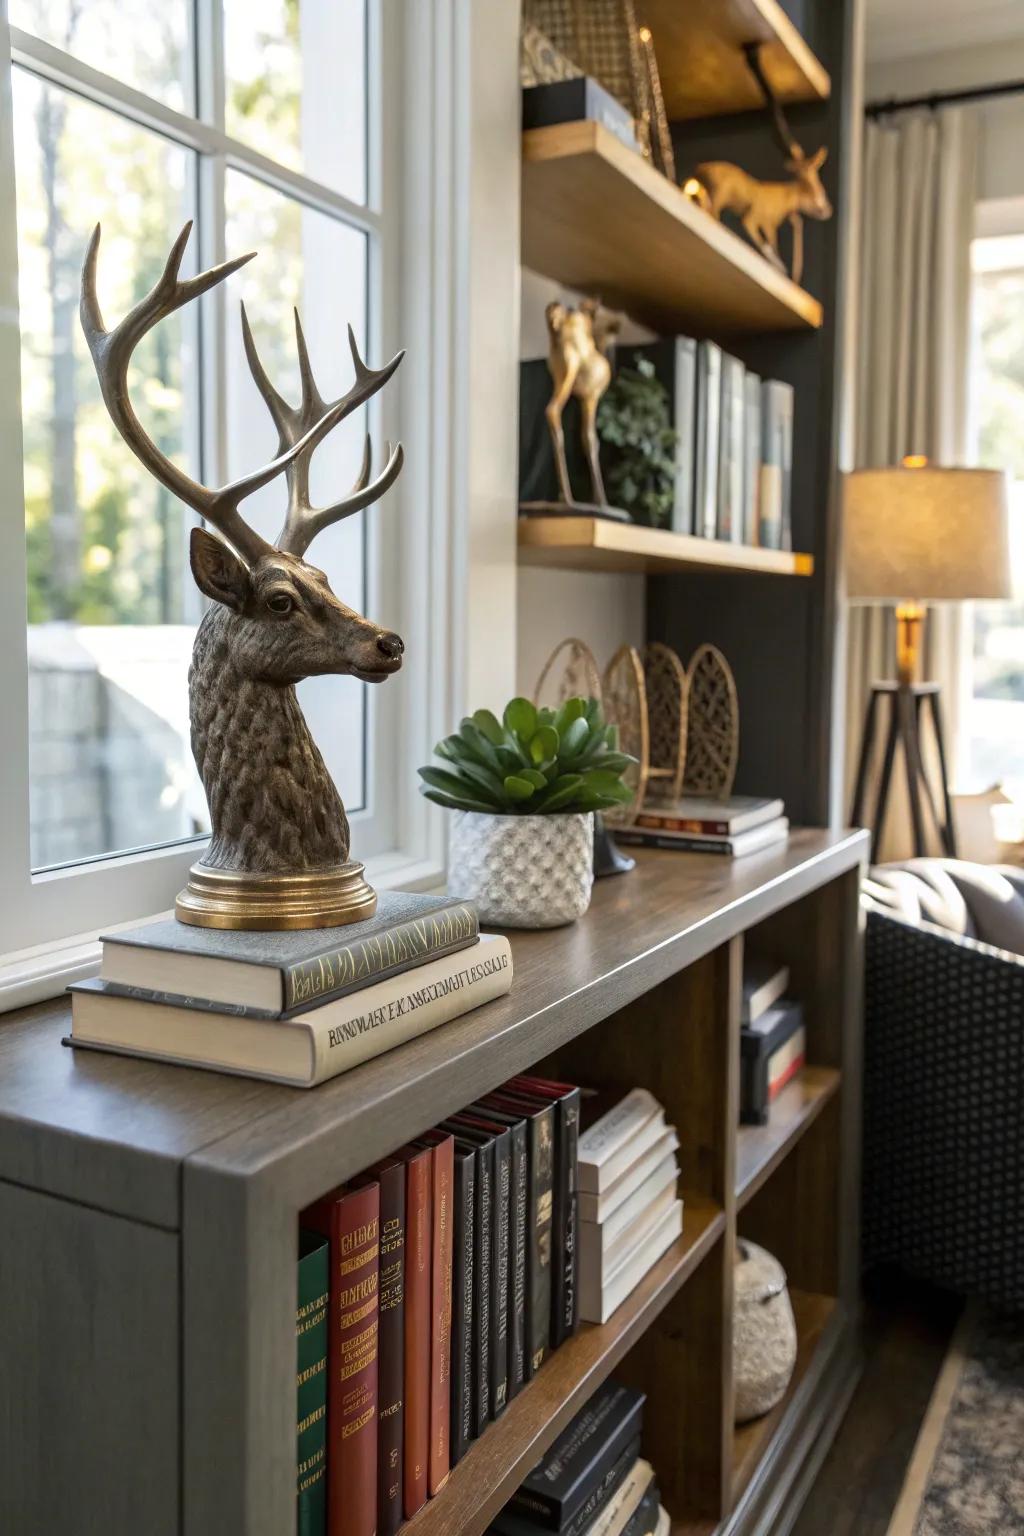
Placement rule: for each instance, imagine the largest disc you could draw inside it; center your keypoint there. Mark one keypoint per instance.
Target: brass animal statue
(578, 342)
(763, 206)
(278, 856)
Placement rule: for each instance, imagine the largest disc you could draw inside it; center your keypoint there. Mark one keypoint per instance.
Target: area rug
(966, 1477)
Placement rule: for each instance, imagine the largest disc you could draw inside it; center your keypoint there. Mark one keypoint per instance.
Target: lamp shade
(926, 535)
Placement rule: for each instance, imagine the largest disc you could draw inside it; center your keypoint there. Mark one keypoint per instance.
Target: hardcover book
(712, 818)
(764, 982)
(776, 464)
(598, 1239)
(419, 1255)
(279, 974)
(617, 1138)
(565, 1223)
(350, 1221)
(754, 841)
(391, 1176)
(303, 1050)
(644, 1521)
(463, 1300)
(500, 1229)
(599, 1208)
(618, 1285)
(599, 1273)
(772, 1051)
(311, 1384)
(442, 1149)
(751, 457)
(707, 438)
(497, 1109)
(513, 1523)
(731, 451)
(483, 1276)
(540, 1120)
(576, 1463)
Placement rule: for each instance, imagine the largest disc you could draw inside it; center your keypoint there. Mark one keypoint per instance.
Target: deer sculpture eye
(280, 602)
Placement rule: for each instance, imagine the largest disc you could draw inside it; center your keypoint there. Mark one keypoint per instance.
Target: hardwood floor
(907, 1331)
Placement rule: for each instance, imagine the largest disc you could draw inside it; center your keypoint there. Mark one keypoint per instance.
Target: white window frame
(416, 207)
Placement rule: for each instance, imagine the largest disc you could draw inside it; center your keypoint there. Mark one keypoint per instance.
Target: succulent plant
(532, 762)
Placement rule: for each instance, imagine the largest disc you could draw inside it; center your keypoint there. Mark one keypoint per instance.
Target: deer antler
(295, 425)
(111, 353)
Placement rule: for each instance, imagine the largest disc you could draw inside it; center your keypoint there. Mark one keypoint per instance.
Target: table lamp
(916, 535)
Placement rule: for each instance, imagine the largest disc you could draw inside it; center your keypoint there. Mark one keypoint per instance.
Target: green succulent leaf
(519, 789)
(572, 709)
(611, 736)
(575, 737)
(521, 718)
(535, 777)
(489, 726)
(543, 745)
(455, 802)
(477, 746)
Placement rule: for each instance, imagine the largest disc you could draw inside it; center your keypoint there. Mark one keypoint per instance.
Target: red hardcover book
(419, 1254)
(442, 1146)
(350, 1221)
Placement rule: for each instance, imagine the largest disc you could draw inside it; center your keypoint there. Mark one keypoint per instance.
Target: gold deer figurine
(578, 341)
(762, 206)
(278, 856)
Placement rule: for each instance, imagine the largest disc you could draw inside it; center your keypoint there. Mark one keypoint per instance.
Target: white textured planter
(522, 871)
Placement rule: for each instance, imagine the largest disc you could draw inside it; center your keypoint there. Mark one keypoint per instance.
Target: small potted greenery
(523, 791)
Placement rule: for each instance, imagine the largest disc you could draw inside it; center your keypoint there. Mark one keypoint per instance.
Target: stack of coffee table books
(629, 1205)
(291, 1007)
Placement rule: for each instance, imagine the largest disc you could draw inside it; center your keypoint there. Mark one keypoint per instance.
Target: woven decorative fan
(570, 672)
(713, 735)
(667, 687)
(625, 705)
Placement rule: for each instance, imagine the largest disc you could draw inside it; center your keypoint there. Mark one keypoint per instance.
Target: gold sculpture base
(225, 898)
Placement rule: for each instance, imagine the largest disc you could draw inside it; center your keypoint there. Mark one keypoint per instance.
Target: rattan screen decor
(602, 37)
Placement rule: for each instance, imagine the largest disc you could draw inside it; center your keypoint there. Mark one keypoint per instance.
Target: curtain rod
(945, 98)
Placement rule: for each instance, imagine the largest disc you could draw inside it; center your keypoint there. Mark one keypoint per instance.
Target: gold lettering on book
(312, 1418)
(357, 1424)
(359, 1292)
(356, 1366)
(311, 1461)
(414, 940)
(365, 1233)
(349, 1319)
(311, 1306)
(311, 1371)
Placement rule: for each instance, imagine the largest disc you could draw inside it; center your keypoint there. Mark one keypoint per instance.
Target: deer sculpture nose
(390, 645)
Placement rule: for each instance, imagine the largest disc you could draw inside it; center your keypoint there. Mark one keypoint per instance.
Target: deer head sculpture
(279, 852)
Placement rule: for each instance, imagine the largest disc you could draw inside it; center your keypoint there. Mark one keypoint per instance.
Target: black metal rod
(782, 129)
(945, 98)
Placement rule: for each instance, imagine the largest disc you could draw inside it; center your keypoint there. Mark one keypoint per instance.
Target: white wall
(604, 610)
(1001, 170)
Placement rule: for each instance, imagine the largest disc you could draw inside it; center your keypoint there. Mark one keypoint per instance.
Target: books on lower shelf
(443, 1297)
(773, 1039)
(629, 1205)
(755, 841)
(295, 1008)
(592, 1481)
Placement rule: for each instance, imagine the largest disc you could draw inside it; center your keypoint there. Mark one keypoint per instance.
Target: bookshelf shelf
(761, 1148)
(598, 217)
(597, 544)
(699, 48)
(814, 1315)
(496, 1463)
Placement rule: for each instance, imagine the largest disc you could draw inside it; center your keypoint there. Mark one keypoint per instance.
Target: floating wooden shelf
(598, 217)
(760, 1148)
(595, 544)
(495, 1464)
(750, 1441)
(699, 47)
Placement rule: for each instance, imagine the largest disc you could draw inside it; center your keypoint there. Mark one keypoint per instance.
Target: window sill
(35, 975)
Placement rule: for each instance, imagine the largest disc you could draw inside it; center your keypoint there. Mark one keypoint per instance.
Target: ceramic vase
(522, 871)
(764, 1333)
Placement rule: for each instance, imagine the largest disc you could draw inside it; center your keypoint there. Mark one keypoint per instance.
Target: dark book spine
(610, 1472)
(463, 1253)
(441, 1316)
(352, 1221)
(391, 1369)
(500, 1272)
(418, 1261)
(565, 1256)
(517, 1274)
(679, 844)
(542, 1170)
(362, 962)
(311, 1385)
(482, 1325)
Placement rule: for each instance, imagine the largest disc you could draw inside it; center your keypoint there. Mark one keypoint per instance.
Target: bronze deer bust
(279, 851)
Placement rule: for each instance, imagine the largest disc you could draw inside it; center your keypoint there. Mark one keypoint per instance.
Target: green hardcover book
(311, 1382)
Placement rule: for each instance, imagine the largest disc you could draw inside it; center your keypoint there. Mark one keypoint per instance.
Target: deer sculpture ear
(818, 160)
(218, 571)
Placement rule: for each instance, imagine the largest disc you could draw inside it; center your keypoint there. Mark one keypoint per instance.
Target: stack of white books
(629, 1205)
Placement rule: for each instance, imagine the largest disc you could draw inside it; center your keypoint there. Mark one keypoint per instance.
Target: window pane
(318, 265)
(146, 45)
(995, 723)
(296, 85)
(111, 602)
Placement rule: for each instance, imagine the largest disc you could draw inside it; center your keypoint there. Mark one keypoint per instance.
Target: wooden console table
(148, 1221)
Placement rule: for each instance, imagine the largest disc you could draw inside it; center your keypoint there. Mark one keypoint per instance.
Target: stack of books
(773, 1039)
(734, 827)
(293, 1008)
(446, 1274)
(593, 1481)
(630, 1211)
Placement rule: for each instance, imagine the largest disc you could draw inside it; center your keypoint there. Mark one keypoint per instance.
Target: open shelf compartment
(599, 544)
